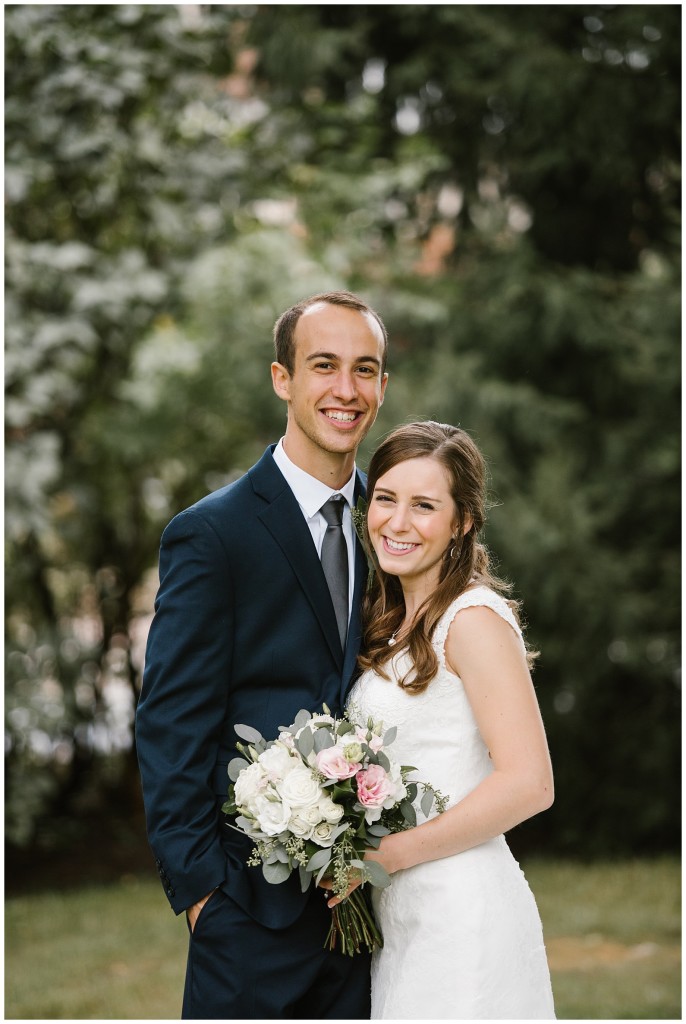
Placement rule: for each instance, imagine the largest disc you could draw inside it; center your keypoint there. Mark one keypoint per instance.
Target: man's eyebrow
(334, 357)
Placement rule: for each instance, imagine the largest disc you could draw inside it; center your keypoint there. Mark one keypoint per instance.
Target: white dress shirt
(311, 494)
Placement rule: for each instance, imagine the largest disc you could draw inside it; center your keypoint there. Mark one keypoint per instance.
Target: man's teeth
(397, 546)
(343, 417)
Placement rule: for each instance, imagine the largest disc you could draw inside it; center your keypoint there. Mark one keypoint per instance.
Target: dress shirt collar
(310, 493)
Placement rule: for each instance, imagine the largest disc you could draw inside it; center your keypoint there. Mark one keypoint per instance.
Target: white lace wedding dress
(462, 935)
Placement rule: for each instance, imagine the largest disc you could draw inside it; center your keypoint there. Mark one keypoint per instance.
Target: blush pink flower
(375, 743)
(332, 763)
(374, 787)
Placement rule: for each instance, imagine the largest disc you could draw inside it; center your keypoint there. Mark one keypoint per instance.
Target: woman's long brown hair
(465, 562)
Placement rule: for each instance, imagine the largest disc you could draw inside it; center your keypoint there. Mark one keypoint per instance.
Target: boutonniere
(359, 514)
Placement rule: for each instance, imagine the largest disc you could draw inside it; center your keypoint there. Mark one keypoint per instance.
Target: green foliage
(500, 182)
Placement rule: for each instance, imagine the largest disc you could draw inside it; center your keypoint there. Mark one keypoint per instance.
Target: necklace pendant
(392, 642)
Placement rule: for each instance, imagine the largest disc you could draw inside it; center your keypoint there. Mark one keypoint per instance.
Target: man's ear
(384, 382)
(281, 380)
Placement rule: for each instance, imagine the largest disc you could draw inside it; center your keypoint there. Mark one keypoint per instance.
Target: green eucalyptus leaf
(305, 878)
(276, 873)
(408, 812)
(236, 766)
(390, 735)
(427, 802)
(301, 719)
(383, 760)
(322, 740)
(377, 874)
(305, 742)
(320, 859)
(247, 733)
(321, 874)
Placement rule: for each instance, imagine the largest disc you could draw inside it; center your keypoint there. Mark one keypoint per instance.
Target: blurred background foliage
(503, 184)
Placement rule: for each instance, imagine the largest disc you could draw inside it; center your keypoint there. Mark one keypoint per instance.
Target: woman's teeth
(395, 545)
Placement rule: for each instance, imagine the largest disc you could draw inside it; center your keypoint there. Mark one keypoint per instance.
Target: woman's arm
(485, 652)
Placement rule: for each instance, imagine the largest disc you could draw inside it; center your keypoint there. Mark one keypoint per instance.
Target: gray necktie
(335, 562)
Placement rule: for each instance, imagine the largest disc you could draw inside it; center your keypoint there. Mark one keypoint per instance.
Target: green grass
(118, 952)
(613, 935)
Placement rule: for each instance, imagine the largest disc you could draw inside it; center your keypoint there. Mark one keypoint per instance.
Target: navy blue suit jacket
(244, 632)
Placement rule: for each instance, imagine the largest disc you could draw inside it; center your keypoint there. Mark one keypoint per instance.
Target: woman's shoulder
(476, 596)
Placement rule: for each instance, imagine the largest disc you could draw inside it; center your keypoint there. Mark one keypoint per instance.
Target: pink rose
(374, 787)
(332, 763)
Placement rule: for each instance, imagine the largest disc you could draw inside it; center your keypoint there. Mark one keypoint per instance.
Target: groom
(257, 616)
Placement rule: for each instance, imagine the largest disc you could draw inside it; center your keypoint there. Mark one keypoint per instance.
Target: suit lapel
(283, 518)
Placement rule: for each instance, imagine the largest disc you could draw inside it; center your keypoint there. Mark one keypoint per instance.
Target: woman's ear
(469, 522)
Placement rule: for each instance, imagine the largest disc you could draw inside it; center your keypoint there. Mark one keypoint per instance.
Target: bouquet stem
(353, 923)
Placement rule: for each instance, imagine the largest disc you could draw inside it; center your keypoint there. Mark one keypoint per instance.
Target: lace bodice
(437, 731)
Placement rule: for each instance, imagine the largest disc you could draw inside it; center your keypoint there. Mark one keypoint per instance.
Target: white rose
(322, 834)
(329, 811)
(312, 814)
(277, 761)
(272, 815)
(299, 788)
(251, 782)
(300, 826)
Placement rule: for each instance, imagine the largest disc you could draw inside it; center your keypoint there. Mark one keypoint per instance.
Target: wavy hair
(465, 561)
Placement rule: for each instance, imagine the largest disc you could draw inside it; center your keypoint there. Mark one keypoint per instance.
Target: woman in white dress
(445, 661)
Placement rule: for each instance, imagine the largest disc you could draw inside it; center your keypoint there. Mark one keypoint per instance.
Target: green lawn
(118, 952)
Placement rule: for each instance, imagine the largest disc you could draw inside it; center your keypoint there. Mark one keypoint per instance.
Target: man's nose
(345, 386)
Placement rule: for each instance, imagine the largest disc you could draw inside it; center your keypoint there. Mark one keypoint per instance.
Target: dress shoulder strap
(476, 597)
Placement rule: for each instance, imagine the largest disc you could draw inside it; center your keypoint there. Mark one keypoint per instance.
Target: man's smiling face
(337, 384)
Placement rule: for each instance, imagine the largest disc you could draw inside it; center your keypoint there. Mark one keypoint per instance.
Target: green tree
(501, 182)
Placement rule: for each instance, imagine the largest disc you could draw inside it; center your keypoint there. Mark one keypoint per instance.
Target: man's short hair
(284, 328)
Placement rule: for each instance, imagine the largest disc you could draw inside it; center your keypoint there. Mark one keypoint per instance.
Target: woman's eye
(425, 506)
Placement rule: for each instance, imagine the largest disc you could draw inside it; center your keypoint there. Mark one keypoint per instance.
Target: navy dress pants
(238, 969)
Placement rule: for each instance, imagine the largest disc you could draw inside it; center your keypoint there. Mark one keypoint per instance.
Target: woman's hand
(386, 855)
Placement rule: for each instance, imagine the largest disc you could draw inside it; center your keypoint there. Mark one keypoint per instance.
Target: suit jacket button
(171, 892)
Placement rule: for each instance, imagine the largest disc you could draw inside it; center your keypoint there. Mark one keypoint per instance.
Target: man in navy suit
(245, 631)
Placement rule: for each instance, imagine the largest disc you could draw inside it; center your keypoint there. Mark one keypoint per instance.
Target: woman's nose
(398, 520)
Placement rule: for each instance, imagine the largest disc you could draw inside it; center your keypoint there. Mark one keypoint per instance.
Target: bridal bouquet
(315, 799)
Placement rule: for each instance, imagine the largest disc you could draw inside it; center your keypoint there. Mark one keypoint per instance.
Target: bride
(445, 661)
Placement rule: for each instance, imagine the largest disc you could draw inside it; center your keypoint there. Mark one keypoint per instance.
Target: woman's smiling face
(411, 520)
